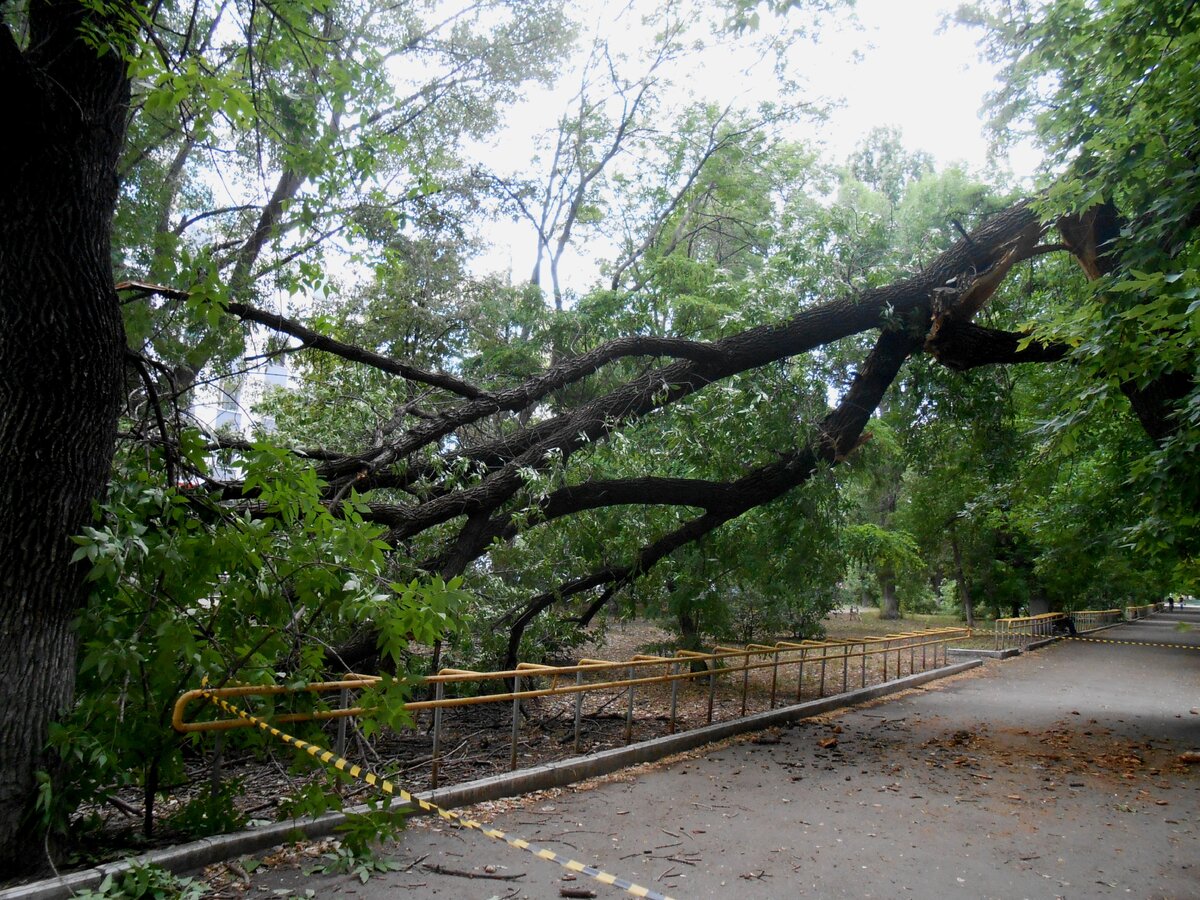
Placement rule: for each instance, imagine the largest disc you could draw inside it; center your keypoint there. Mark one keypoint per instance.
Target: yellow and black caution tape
(1135, 643)
(342, 764)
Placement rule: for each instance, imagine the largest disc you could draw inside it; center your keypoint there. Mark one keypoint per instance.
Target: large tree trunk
(61, 346)
(1039, 604)
(960, 577)
(889, 603)
(689, 635)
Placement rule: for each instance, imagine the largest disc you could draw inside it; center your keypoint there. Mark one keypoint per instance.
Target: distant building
(225, 408)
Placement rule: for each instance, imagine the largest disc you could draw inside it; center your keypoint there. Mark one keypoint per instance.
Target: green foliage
(259, 134)
(1110, 90)
(211, 811)
(185, 589)
(360, 865)
(312, 799)
(770, 572)
(872, 544)
(356, 852)
(361, 830)
(140, 882)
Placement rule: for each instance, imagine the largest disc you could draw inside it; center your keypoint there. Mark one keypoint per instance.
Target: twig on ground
(463, 873)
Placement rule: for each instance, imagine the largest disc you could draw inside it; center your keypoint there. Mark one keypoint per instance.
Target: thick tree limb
(840, 433)
(958, 343)
(808, 329)
(322, 342)
(966, 263)
(711, 496)
(1093, 239)
(965, 345)
(562, 435)
(522, 396)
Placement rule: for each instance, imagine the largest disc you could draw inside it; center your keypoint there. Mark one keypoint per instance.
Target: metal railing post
(674, 670)
(745, 680)
(578, 708)
(343, 702)
(712, 687)
(629, 709)
(800, 676)
(439, 695)
(774, 675)
(516, 723)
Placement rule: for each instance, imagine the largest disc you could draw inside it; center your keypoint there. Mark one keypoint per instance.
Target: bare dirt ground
(1063, 773)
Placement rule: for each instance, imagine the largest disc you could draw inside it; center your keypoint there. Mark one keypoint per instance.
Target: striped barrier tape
(1134, 643)
(344, 765)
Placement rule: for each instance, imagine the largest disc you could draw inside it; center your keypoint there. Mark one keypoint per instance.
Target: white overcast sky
(897, 67)
(900, 67)
(928, 81)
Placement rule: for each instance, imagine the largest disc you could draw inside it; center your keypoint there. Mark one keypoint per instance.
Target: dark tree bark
(1093, 238)
(889, 603)
(1038, 603)
(61, 358)
(839, 434)
(960, 576)
(964, 345)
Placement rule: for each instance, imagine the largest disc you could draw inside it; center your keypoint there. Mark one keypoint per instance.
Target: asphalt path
(1060, 773)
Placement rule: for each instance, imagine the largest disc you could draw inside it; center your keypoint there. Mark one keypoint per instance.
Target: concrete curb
(206, 851)
(973, 653)
(1044, 642)
(976, 653)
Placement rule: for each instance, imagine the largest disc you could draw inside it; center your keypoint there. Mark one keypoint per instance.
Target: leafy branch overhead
(467, 494)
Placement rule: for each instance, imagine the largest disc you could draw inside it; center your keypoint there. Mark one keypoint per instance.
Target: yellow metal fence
(1140, 612)
(1020, 631)
(792, 669)
(1091, 619)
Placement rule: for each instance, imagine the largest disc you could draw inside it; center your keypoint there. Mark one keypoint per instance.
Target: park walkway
(1056, 774)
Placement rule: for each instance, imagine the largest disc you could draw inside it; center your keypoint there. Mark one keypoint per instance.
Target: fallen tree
(443, 490)
(931, 309)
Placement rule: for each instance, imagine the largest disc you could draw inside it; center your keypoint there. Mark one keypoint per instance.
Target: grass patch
(867, 623)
